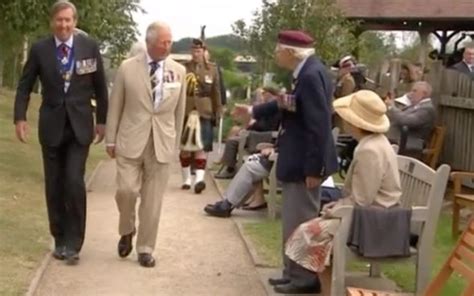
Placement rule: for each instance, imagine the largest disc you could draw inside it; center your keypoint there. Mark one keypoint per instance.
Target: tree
(224, 57)
(374, 48)
(110, 22)
(320, 18)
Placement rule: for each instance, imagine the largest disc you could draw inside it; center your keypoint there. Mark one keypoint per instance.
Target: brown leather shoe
(125, 245)
(146, 260)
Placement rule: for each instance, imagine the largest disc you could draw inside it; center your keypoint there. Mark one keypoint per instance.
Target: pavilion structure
(442, 18)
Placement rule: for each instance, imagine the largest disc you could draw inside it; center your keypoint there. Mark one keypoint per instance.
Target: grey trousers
(231, 149)
(241, 185)
(299, 205)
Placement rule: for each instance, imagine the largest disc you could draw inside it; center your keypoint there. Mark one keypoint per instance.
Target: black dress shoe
(186, 187)
(278, 281)
(221, 209)
(293, 289)
(255, 208)
(125, 245)
(146, 260)
(199, 187)
(71, 257)
(59, 253)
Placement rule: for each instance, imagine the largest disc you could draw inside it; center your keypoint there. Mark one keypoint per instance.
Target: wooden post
(395, 67)
(424, 45)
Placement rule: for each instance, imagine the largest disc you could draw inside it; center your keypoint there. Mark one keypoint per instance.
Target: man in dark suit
(306, 151)
(71, 73)
(466, 66)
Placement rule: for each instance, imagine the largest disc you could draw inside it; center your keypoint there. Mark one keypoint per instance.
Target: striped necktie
(154, 78)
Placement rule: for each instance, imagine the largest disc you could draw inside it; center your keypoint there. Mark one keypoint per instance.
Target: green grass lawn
(24, 234)
(266, 236)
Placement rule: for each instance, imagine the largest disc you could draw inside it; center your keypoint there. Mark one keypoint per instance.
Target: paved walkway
(196, 254)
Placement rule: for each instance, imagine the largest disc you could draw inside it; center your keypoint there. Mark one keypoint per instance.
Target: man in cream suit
(144, 125)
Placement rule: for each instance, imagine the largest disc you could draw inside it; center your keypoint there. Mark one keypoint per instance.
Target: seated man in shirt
(418, 118)
(260, 132)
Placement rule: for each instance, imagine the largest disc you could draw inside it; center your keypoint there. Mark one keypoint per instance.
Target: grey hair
(136, 49)
(62, 5)
(427, 87)
(154, 28)
(299, 53)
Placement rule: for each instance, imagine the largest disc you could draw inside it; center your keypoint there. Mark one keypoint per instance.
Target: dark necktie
(63, 51)
(153, 78)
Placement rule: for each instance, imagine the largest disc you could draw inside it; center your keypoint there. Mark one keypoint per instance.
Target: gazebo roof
(410, 14)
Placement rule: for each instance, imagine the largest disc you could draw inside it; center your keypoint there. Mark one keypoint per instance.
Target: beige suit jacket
(132, 117)
(373, 177)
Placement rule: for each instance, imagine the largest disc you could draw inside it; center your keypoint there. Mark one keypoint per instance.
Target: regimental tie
(154, 78)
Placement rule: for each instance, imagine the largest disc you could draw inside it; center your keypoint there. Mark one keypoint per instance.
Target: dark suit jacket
(305, 144)
(57, 105)
(463, 68)
(266, 124)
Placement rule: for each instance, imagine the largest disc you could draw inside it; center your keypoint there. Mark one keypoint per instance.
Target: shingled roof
(419, 9)
(433, 14)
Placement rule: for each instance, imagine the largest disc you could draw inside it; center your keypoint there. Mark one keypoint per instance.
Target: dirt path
(196, 254)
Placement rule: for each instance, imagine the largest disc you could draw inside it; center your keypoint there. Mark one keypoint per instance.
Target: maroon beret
(295, 38)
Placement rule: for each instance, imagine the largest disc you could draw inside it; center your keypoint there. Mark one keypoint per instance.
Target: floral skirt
(310, 245)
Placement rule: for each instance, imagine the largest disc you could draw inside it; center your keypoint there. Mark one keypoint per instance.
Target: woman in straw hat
(372, 180)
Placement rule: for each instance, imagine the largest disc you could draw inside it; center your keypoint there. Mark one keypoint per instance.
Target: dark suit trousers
(299, 206)
(64, 168)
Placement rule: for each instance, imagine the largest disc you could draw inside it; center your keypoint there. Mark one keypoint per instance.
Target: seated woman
(372, 180)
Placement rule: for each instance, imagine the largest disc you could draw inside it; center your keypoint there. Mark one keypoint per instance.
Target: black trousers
(64, 169)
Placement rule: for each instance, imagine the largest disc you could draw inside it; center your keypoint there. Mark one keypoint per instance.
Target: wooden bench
(423, 191)
(460, 261)
(460, 199)
(429, 155)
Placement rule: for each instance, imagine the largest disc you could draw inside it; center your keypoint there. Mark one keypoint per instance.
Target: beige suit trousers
(146, 178)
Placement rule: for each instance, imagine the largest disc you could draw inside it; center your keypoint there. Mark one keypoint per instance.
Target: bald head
(419, 91)
(158, 40)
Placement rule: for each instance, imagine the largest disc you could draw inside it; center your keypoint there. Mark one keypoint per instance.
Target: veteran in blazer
(69, 67)
(306, 150)
(144, 123)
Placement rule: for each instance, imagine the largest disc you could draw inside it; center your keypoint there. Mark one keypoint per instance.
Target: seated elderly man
(418, 118)
(255, 169)
(260, 131)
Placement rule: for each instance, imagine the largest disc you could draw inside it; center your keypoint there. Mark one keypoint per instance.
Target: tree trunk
(2, 64)
(25, 51)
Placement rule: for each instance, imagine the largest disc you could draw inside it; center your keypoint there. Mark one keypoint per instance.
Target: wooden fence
(453, 96)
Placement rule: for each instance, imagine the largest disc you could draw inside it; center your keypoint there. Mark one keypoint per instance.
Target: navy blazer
(305, 144)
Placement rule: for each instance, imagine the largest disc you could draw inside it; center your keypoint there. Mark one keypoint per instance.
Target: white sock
(186, 172)
(199, 176)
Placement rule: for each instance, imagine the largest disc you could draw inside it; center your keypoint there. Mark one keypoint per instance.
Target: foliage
(320, 18)
(236, 83)
(231, 42)
(375, 47)
(110, 22)
(224, 57)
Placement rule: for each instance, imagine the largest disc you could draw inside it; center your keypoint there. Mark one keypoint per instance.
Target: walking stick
(219, 136)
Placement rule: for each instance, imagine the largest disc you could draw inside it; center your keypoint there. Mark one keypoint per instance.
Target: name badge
(207, 79)
(86, 66)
